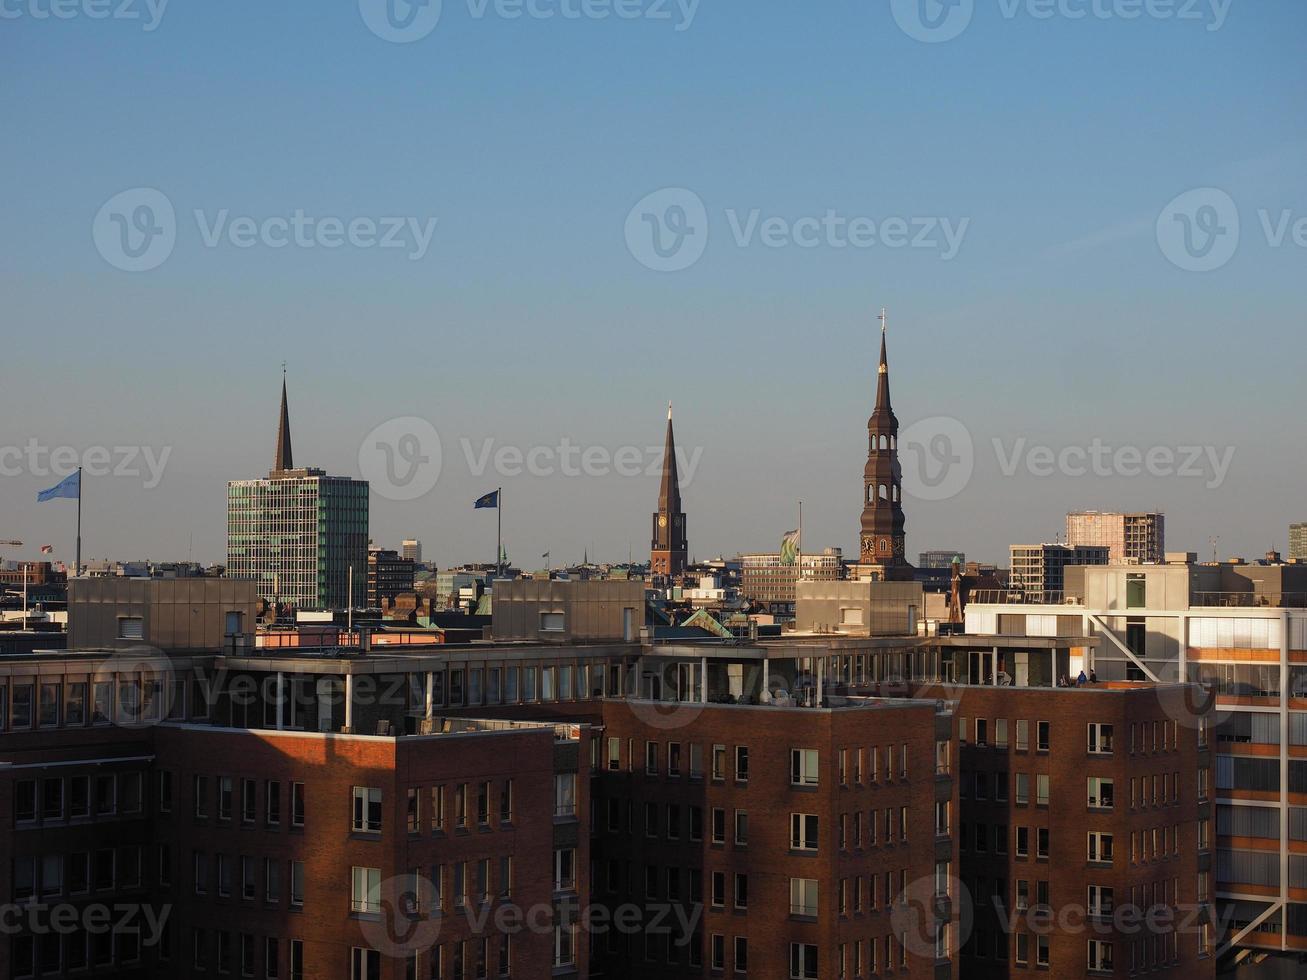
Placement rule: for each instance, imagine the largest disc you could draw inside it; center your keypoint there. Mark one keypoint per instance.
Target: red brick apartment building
(1085, 831)
(589, 807)
(807, 836)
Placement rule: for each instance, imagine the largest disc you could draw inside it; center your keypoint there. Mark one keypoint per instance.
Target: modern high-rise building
(412, 550)
(389, 575)
(299, 532)
(1139, 538)
(1298, 541)
(669, 551)
(881, 535)
(766, 580)
(1038, 568)
(940, 558)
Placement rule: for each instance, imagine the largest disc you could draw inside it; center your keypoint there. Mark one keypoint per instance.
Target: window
(742, 763)
(1023, 842)
(1041, 950)
(741, 891)
(552, 622)
(367, 810)
(803, 896)
(565, 794)
(719, 762)
(1041, 842)
(803, 961)
(365, 895)
(1023, 788)
(1041, 789)
(1100, 793)
(718, 894)
(1041, 735)
(651, 758)
(272, 802)
(1100, 901)
(249, 804)
(1100, 955)
(365, 964)
(718, 825)
(803, 831)
(1100, 847)
(131, 628)
(803, 767)
(1100, 739)
(297, 804)
(297, 883)
(564, 869)
(614, 754)
(506, 802)
(741, 828)
(741, 954)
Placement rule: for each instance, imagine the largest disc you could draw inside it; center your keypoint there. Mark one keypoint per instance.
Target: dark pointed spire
(285, 458)
(669, 497)
(882, 373)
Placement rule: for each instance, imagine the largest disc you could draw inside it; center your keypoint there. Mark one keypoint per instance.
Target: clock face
(662, 520)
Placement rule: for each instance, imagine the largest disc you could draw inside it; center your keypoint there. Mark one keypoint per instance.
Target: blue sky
(1056, 143)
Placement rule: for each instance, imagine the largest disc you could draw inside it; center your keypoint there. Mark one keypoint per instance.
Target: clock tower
(668, 551)
(883, 544)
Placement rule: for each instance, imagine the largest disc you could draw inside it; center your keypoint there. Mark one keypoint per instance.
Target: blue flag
(489, 500)
(69, 486)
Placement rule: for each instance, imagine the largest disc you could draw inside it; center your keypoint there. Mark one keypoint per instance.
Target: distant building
(1139, 538)
(668, 549)
(299, 532)
(1038, 568)
(1298, 541)
(939, 558)
(412, 550)
(389, 575)
(769, 583)
(881, 530)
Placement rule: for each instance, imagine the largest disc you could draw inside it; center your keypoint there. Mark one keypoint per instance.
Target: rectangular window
(1023, 736)
(803, 831)
(365, 895)
(1042, 731)
(803, 767)
(367, 810)
(297, 804)
(804, 896)
(1100, 793)
(1100, 739)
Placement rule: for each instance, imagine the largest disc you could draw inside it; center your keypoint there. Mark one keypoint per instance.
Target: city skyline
(1060, 294)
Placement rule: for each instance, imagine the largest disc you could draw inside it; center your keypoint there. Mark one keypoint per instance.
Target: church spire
(881, 534)
(882, 372)
(285, 458)
(668, 549)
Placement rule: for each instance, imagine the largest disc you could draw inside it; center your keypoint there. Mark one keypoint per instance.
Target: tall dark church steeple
(882, 538)
(285, 458)
(668, 550)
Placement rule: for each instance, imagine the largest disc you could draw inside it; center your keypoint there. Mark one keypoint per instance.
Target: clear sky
(1058, 316)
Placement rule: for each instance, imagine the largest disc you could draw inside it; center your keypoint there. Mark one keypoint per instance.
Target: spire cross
(883, 319)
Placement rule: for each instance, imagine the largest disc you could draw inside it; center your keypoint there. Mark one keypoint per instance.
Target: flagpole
(77, 561)
(799, 554)
(499, 532)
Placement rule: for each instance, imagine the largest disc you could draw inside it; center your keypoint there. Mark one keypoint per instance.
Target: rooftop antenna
(1215, 538)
